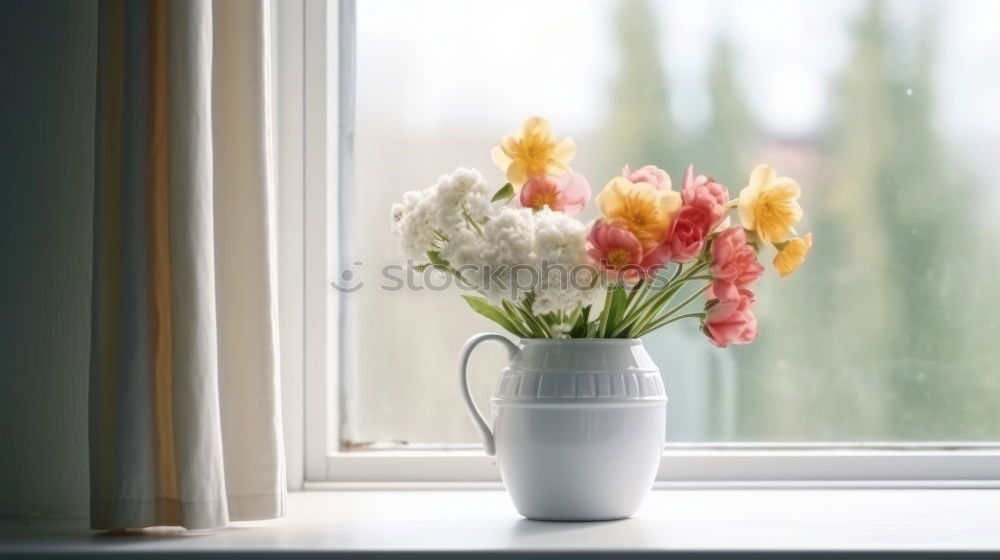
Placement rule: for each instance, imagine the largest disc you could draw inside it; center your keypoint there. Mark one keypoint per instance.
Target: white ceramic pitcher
(578, 425)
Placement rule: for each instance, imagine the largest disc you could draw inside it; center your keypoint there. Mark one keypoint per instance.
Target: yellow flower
(792, 253)
(639, 207)
(534, 153)
(769, 204)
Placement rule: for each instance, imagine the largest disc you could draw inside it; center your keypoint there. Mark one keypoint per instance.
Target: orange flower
(534, 153)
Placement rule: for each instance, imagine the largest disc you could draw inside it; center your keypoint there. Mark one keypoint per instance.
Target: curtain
(185, 424)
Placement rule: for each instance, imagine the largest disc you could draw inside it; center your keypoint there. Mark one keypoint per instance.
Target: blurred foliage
(887, 332)
(730, 138)
(641, 130)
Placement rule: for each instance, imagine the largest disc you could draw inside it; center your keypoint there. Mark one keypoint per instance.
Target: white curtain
(185, 425)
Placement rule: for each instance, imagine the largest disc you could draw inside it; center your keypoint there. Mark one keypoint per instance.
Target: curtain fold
(185, 424)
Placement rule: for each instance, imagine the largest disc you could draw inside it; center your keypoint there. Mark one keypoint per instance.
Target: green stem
(648, 309)
(679, 279)
(653, 311)
(603, 325)
(651, 314)
(662, 323)
(677, 272)
(638, 314)
(638, 292)
(681, 305)
(645, 303)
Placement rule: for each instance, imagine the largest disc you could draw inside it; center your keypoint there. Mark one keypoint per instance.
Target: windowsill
(350, 523)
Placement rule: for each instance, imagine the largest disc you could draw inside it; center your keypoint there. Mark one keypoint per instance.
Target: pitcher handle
(463, 373)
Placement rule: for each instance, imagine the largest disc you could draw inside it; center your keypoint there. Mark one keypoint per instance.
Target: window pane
(885, 112)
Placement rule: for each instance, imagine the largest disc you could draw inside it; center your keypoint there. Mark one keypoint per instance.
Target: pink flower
(705, 193)
(567, 193)
(734, 264)
(687, 233)
(731, 321)
(656, 259)
(649, 174)
(614, 248)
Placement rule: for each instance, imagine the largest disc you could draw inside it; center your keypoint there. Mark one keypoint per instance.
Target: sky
(437, 63)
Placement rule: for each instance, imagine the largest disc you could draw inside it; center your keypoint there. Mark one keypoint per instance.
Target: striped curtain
(185, 425)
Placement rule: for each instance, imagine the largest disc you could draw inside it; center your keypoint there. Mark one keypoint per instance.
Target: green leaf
(435, 258)
(639, 287)
(537, 324)
(493, 313)
(619, 300)
(606, 312)
(579, 329)
(505, 193)
(592, 328)
(529, 300)
(436, 262)
(516, 315)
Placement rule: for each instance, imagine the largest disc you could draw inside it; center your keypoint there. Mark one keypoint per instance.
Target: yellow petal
(789, 187)
(777, 229)
(565, 150)
(643, 187)
(556, 168)
(767, 205)
(792, 254)
(611, 200)
(760, 178)
(517, 173)
(777, 210)
(509, 146)
(669, 201)
(501, 159)
(537, 126)
(762, 175)
(744, 206)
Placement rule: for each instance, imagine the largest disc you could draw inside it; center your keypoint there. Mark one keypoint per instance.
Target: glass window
(885, 112)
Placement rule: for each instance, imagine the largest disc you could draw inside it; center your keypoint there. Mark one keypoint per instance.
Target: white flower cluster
(426, 219)
(567, 277)
(504, 253)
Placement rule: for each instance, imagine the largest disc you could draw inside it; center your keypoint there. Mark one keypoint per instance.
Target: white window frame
(315, 125)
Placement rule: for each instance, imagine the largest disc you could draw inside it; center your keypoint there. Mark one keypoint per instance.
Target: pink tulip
(705, 193)
(614, 248)
(734, 264)
(731, 321)
(649, 174)
(687, 233)
(567, 193)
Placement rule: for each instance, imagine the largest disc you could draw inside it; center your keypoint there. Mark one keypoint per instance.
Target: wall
(47, 71)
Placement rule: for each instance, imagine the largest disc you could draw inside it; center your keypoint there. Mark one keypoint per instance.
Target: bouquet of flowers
(654, 255)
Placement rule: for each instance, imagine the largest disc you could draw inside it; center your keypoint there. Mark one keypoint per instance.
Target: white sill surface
(483, 523)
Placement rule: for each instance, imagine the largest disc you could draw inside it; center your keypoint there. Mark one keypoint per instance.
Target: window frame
(318, 37)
